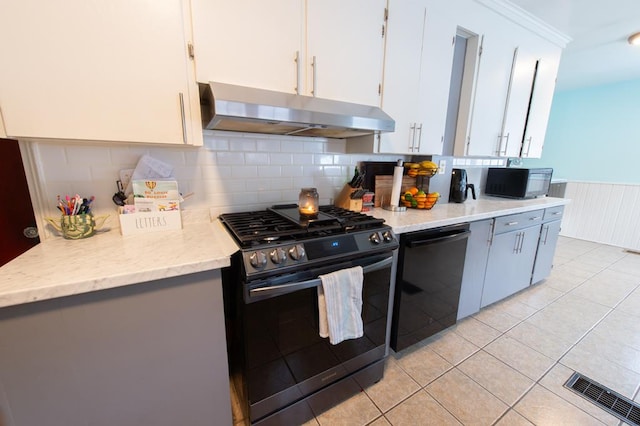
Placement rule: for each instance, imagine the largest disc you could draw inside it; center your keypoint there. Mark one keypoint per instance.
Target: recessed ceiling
(599, 52)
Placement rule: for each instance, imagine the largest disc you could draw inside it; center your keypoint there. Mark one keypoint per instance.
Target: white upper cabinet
(3, 133)
(517, 103)
(512, 80)
(96, 70)
(543, 88)
(483, 136)
(326, 48)
(419, 51)
(249, 43)
(345, 50)
(435, 78)
(402, 73)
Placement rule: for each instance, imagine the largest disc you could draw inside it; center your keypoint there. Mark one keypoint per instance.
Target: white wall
(603, 212)
(231, 172)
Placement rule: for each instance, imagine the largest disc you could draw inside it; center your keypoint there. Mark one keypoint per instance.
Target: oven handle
(291, 287)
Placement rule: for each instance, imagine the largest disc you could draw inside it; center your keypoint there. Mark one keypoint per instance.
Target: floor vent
(616, 404)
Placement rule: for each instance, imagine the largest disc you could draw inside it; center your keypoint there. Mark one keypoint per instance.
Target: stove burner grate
(262, 227)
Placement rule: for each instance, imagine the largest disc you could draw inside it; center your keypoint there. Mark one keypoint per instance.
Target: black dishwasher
(429, 276)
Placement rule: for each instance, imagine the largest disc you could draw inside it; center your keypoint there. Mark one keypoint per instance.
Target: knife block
(345, 201)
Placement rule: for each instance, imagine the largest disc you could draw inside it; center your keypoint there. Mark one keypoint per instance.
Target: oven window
(283, 347)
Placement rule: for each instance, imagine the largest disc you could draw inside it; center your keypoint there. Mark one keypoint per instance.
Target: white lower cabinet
(475, 265)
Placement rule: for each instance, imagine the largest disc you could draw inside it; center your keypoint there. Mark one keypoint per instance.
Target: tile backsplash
(231, 172)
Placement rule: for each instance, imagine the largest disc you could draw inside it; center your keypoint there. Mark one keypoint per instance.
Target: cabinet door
(475, 265)
(485, 135)
(435, 79)
(95, 70)
(520, 84)
(402, 73)
(346, 40)
(510, 264)
(249, 43)
(541, 99)
(546, 250)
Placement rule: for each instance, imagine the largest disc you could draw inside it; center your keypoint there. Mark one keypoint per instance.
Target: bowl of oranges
(416, 198)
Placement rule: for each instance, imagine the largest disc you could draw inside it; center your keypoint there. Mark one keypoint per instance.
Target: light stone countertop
(443, 214)
(59, 267)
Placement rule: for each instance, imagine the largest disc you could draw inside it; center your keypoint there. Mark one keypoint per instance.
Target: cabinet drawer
(553, 213)
(518, 221)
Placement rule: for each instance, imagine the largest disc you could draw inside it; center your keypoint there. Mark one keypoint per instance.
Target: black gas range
(282, 370)
(279, 240)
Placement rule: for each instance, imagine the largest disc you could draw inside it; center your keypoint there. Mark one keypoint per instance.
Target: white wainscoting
(606, 213)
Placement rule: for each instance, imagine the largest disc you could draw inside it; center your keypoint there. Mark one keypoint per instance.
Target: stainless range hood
(244, 109)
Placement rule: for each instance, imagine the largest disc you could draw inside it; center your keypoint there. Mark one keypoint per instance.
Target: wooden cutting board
(384, 185)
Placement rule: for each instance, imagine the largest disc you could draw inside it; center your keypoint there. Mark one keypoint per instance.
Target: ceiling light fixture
(634, 39)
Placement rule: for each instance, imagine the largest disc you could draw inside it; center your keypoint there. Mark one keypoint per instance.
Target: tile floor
(507, 364)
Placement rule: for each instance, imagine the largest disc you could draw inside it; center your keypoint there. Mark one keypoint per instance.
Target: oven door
(286, 360)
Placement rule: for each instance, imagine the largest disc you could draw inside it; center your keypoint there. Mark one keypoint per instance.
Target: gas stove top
(283, 223)
(277, 240)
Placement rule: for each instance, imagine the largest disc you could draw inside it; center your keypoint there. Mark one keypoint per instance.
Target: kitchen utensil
(119, 197)
(459, 186)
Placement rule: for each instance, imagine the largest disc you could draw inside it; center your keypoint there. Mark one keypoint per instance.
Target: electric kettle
(460, 187)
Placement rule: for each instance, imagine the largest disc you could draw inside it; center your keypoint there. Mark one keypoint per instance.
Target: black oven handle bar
(275, 290)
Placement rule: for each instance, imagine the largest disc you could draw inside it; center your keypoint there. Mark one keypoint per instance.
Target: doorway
(17, 220)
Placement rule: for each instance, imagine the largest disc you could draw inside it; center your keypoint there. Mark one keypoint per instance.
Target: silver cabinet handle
(528, 146)
(412, 135)
(492, 227)
(419, 128)
(521, 242)
(511, 223)
(314, 65)
(535, 218)
(556, 213)
(517, 243)
(297, 61)
(506, 145)
(183, 117)
(546, 234)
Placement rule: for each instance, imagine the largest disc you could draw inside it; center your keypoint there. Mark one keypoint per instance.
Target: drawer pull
(535, 218)
(511, 223)
(556, 213)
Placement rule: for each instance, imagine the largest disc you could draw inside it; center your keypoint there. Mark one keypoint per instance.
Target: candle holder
(308, 203)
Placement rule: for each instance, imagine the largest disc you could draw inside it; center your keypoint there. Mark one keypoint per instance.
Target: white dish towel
(340, 305)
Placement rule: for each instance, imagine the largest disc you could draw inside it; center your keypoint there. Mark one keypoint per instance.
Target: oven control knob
(258, 259)
(278, 255)
(297, 252)
(387, 236)
(375, 238)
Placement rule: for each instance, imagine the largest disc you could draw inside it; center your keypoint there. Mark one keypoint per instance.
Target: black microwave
(518, 183)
